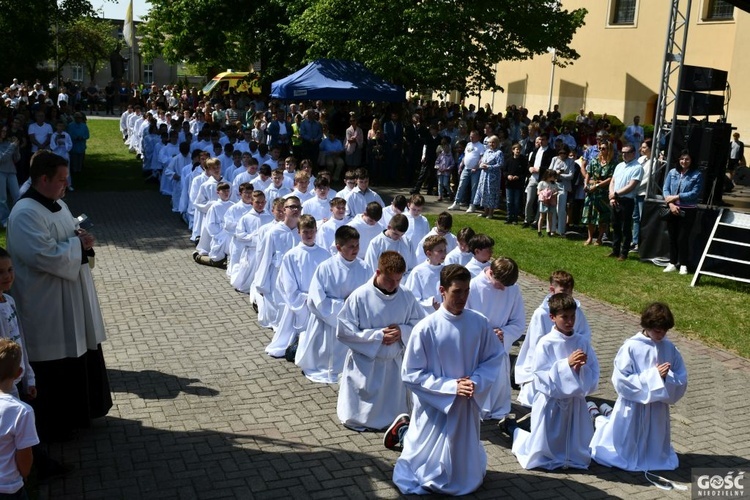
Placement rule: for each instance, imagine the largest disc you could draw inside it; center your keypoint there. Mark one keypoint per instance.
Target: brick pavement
(201, 412)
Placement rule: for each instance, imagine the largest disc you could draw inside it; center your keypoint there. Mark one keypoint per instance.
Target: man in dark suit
(427, 175)
(394, 139)
(415, 135)
(539, 162)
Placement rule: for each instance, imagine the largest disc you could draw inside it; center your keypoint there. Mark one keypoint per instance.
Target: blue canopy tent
(335, 80)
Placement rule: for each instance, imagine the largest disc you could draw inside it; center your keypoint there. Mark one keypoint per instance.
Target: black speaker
(697, 104)
(708, 144)
(702, 79)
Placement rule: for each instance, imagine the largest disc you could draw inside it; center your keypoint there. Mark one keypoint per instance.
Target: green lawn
(108, 165)
(714, 312)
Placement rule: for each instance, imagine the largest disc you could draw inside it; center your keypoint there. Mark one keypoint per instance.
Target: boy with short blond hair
(213, 246)
(17, 427)
(301, 187)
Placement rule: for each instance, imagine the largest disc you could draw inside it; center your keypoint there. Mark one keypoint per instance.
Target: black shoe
(541, 235)
(525, 225)
(196, 255)
(612, 254)
(507, 222)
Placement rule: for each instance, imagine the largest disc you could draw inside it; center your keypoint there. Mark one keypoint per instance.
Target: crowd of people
(33, 118)
(415, 324)
(359, 294)
(473, 159)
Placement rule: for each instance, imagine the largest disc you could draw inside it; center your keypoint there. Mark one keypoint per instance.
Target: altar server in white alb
(260, 235)
(424, 280)
(461, 254)
(327, 230)
(443, 226)
(214, 243)
(367, 226)
(374, 324)
(495, 294)
(232, 218)
(245, 240)
(565, 372)
(450, 362)
(391, 239)
(319, 354)
(279, 240)
(649, 375)
(295, 275)
(540, 325)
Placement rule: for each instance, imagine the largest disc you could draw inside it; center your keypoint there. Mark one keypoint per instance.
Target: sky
(115, 9)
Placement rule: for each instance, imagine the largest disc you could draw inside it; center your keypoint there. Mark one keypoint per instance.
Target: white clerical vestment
(371, 393)
(540, 325)
(382, 243)
(295, 275)
(636, 436)
(366, 233)
(561, 428)
(55, 292)
(442, 451)
(504, 310)
(245, 242)
(280, 239)
(319, 354)
(424, 283)
(326, 236)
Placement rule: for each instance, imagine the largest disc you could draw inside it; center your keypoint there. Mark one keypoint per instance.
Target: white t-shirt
(17, 432)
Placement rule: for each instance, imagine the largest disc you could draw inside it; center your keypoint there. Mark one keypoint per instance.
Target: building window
(719, 10)
(76, 72)
(623, 12)
(148, 73)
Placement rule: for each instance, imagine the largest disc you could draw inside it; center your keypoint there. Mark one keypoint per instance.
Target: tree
(27, 33)
(89, 41)
(215, 35)
(437, 44)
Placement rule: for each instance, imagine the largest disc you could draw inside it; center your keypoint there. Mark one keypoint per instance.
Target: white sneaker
(454, 206)
(683, 270)
(605, 409)
(670, 268)
(471, 210)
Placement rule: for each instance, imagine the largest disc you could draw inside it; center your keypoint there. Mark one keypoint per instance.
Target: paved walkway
(201, 412)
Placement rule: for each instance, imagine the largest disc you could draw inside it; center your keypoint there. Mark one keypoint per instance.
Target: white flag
(128, 30)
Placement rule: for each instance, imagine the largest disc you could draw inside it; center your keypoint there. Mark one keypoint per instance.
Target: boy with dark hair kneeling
(451, 360)
(649, 375)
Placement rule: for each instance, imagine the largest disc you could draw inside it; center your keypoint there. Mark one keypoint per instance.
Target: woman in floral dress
(488, 189)
(596, 211)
